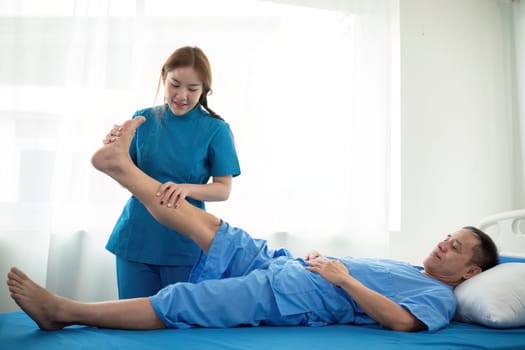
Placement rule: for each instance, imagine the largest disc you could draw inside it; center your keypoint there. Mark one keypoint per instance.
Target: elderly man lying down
(238, 280)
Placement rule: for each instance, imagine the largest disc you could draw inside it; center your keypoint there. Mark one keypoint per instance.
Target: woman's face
(182, 89)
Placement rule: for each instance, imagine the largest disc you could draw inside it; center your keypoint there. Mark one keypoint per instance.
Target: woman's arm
(172, 194)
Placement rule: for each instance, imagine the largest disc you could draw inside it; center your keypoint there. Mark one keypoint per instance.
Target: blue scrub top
(296, 290)
(183, 149)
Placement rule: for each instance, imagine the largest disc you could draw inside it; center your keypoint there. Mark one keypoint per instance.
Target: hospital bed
(494, 320)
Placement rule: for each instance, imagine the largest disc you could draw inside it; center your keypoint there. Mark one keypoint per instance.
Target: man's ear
(472, 271)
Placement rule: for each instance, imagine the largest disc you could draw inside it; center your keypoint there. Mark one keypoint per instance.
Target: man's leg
(113, 159)
(52, 312)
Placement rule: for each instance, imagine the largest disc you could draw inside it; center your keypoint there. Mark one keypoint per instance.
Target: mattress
(18, 331)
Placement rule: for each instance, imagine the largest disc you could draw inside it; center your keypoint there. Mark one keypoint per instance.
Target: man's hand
(333, 271)
(312, 254)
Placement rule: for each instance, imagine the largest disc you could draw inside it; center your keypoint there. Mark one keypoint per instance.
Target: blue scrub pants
(230, 286)
(137, 279)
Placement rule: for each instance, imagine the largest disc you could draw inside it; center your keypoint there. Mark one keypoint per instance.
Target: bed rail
(508, 230)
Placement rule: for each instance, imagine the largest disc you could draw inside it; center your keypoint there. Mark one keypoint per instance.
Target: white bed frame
(508, 231)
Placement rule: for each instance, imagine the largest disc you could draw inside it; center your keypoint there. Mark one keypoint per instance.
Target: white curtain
(309, 88)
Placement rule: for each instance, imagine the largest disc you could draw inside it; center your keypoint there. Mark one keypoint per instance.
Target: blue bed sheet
(18, 331)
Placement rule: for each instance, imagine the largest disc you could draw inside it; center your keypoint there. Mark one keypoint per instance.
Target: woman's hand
(172, 194)
(113, 134)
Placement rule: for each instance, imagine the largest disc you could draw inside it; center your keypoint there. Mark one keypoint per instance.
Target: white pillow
(494, 298)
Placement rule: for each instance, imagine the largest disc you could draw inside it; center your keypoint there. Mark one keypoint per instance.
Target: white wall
(456, 120)
(518, 38)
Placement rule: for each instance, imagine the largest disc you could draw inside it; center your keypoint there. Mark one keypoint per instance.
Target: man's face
(449, 261)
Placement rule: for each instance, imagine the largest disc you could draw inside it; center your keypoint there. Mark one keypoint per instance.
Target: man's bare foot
(40, 304)
(111, 158)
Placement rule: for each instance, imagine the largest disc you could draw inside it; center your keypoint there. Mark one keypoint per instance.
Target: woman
(182, 144)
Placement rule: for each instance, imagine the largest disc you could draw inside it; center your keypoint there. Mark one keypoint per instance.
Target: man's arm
(383, 310)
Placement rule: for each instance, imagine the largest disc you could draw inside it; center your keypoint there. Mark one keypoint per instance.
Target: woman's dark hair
(485, 254)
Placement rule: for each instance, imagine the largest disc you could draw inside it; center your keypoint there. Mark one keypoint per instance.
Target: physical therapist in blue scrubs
(183, 144)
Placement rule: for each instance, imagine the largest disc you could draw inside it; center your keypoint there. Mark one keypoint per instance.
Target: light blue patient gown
(243, 282)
